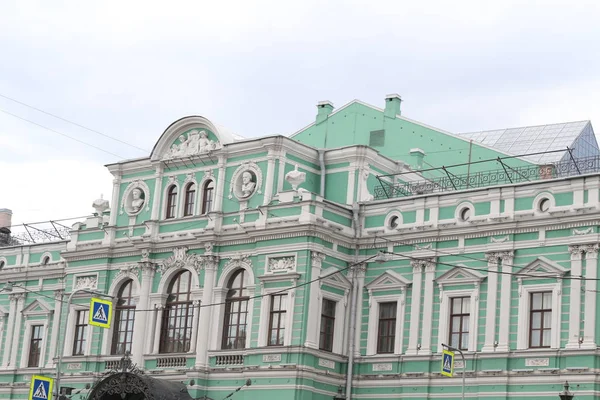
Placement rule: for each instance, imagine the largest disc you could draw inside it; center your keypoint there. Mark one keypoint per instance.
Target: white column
(281, 172)
(55, 328)
(140, 332)
(427, 308)
(359, 271)
(205, 314)
(157, 193)
(157, 327)
(114, 212)
(17, 329)
(151, 330)
(268, 192)
(503, 337)
(312, 326)
(10, 330)
(492, 296)
(220, 182)
(415, 308)
(591, 272)
(575, 298)
(193, 342)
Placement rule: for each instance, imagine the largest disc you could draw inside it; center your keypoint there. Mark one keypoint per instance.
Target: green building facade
(298, 264)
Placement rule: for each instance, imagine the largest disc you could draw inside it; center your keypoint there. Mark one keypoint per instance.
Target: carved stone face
(181, 138)
(246, 178)
(137, 193)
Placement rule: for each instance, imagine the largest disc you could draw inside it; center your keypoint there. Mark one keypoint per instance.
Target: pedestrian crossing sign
(448, 363)
(100, 313)
(40, 388)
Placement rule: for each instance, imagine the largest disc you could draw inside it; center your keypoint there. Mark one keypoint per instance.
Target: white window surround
(70, 333)
(3, 322)
(208, 176)
(172, 181)
(331, 277)
(27, 342)
(524, 312)
(181, 199)
(388, 219)
(538, 199)
(3, 262)
(46, 254)
(265, 315)
(116, 285)
(220, 295)
(459, 209)
(389, 280)
(542, 267)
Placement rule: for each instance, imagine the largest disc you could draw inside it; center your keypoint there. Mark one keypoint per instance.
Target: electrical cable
(73, 123)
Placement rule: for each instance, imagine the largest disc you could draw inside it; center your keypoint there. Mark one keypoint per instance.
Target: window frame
(445, 314)
(189, 205)
(229, 302)
(84, 339)
(173, 307)
(171, 201)
(70, 334)
(130, 309)
(461, 317)
(207, 198)
(380, 319)
(524, 308)
(40, 341)
(24, 362)
(329, 318)
(543, 312)
(282, 320)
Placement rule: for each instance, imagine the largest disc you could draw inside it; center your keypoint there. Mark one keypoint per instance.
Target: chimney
(324, 108)
(5, 218)
(392, 105)
(416, 158)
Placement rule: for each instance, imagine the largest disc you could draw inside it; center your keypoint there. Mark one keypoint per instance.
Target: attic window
(377, 138)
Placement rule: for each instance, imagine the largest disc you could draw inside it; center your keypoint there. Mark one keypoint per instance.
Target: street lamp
(58, 345)
(566, 394)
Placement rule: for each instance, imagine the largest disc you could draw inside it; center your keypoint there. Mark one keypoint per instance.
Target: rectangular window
(459, 322)
(81, 322)
(386, 334)
(35, 346)
(327, 325)
(234, 329)
(540, 319)
(277, 320)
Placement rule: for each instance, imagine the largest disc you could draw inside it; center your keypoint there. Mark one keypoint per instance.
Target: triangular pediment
(388, 280)
(458, 275)
(542, 267)
(333, 278)
(38, 307)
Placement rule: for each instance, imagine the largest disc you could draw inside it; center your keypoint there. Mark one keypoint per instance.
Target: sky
(127, 69)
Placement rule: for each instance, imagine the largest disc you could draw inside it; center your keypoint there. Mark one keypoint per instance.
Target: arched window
(236, 312)
(124, 320)
(207, 196)
(176, 329)
(45, 260)
(190, 199)
(171, 201)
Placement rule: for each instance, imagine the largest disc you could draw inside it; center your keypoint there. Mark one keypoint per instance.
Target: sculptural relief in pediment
(192, 143)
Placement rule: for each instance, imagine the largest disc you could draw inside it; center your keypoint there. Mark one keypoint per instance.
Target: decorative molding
(129, 270)
(127, 199)
(326, 363)
(317, 259)
(269, 358)
(180, 259)
(196, 143)
(239, 189)
(281, 264)
(537, 362)
(85, 282)
(580, 232)
(500, 239)
(379, 367)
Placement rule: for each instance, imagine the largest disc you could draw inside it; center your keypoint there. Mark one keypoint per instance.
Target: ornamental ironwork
(506, 175)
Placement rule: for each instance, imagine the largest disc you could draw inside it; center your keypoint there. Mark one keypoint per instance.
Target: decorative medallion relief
(281, 264)
(191, 144)
(135, 198)
(181, 259)
(246, 181)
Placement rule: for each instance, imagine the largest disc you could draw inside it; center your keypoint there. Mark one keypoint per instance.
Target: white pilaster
(157, 193)
(58, 294)
(114, 212)
(589, 317)
(17, 329)
(280, 178)
(10, 330)
(159, 316)
(312, 329)
(507, 262)
(205, 315)
(268, 192)
(575, 298)
(415, 308)
(359, 282)
(427, 308)
(220, 183)
(492, 296)
(140, 328)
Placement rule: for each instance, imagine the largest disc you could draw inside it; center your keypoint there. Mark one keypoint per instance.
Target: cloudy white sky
(128, 69)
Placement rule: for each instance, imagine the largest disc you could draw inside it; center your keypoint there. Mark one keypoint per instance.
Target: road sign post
(40, 388)
(448, 363)
(100, 313)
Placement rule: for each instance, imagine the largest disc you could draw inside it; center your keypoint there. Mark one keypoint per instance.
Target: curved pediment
(189, 137)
